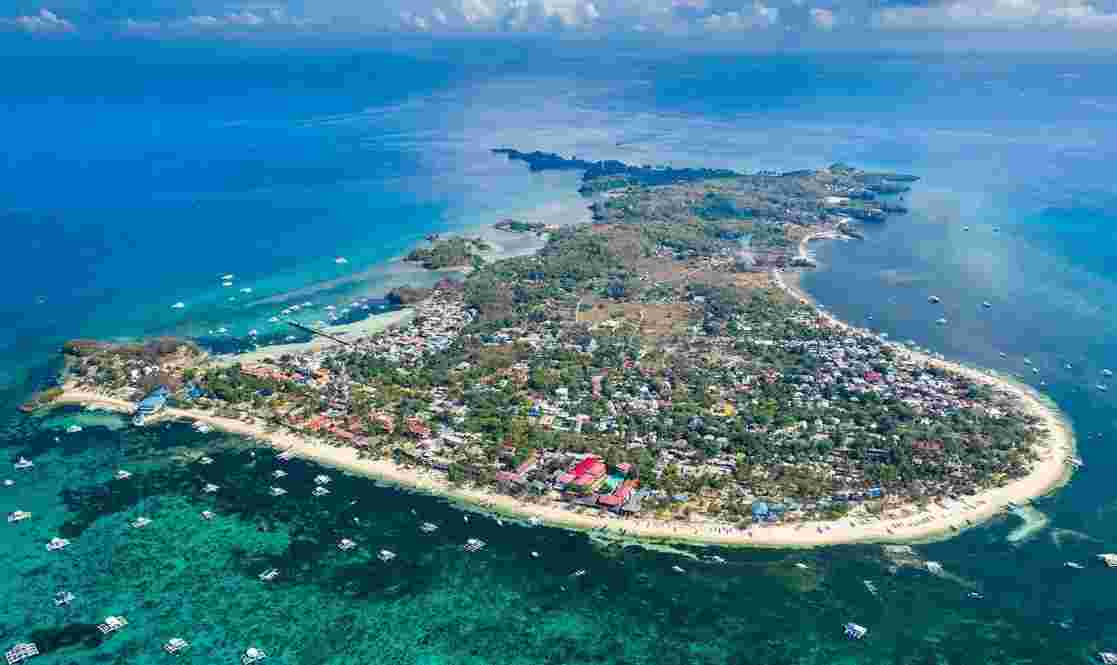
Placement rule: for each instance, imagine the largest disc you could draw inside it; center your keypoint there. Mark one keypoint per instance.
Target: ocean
(136, 176)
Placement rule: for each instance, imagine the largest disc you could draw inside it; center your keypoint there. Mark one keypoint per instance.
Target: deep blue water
(134, 176)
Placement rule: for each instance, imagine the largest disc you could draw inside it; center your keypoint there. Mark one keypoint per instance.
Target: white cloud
(748, 18)
(997, 15)
(823, 19)
(44, 22)
(241, 19)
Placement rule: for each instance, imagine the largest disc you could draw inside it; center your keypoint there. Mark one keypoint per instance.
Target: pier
(318, 333)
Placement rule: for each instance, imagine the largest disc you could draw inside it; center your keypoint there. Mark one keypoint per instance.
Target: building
(155, 401)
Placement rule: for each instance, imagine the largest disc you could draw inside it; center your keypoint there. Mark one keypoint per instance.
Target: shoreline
(937, 522)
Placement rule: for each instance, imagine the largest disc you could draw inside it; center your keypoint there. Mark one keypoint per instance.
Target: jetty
(318, 333)
(21, 652)
(112, 624)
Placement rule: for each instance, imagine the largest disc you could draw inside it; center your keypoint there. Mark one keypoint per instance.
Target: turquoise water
(188, 165)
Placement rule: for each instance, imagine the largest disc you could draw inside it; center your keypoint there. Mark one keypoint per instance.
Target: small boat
(386, 555)
(140, 523)
(112, 624)
(870, 586)
(678, 569)
(934, 567)
(207, 515)
(1027, 361)
(578, 573)
(965, 228)
(534, 521)
(284, 456)
(1003, 354)
(23, 464)
(320, 491)
(269, 575)
(122, 475)
(465, 518)
(210, 488)
(321, 480)
(246, 289)
(205, 461)
(277, 491)
(855, 631)
(178, 305)
(202, 428)
(1107, 657)
(73, 429)
(21, 652)
(341, 260)
(428, 527)
(279, 473)
(176, 645)
(474, 545)
(18, 516)
(801, 566)
(274, 319)
(1107, 372)
(941, 322)
(976, 595)
(8, 482)
(717, 559)
(1076, 462)
(499, 522)
(56, 544)
(534, 554)
(987, 305)
(345, 545)
(252, 655)
(63, 598)
(1102, 387)
(1074, 564)
(934, 300)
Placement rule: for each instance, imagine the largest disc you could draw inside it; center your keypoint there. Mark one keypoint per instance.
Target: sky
(966, 24)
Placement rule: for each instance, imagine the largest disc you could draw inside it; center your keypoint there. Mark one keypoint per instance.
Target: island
(654, 374)
(450, 252)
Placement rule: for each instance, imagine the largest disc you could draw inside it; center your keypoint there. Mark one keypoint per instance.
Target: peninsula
(654, 373)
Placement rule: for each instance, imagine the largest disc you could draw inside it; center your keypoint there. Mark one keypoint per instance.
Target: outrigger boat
(63, 598)
(18, 516)
(21, 652)
(855, 631)
(252, 655)
(56, 544)
(268, 575)
(176, 645)
(474, 545)
(112, 624)
(122, 475)
(140, 522)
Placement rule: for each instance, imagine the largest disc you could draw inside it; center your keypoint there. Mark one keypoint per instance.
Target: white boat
(341, 260)
(1102, 387)
(934, 300)
(18, 516)
(801, 566)
(534, 521)
(203, 428)
(56, 544)
(345, 545)
(934, 567)
(277, 491)
(73, 429)
(1076, 462)
(226, 284)
(941, 322)
(63, 598)
(210, 488)
(386, 555)
(176, 645)
(205, 461)
(246, 290)
(717, 559)
(321, 479)
(428, 527)
(207, 515)
(140, 522)
(284, 456)
(976, 595)
(474, 545)
(987, 305)
(855, 631)
(21, 652)
(534, 554)
(279, 473)
(8, 482)
(870, 586)
(274, 319)
(320, 491)
(23, 464)
(122, 475)
(178, 305)
(1074, 564)
(578, 573)
(678, 569)
(268, 575)
(252, 655)
(112, 624)
(1107, 372)
(227, 278)
(1107, 657)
